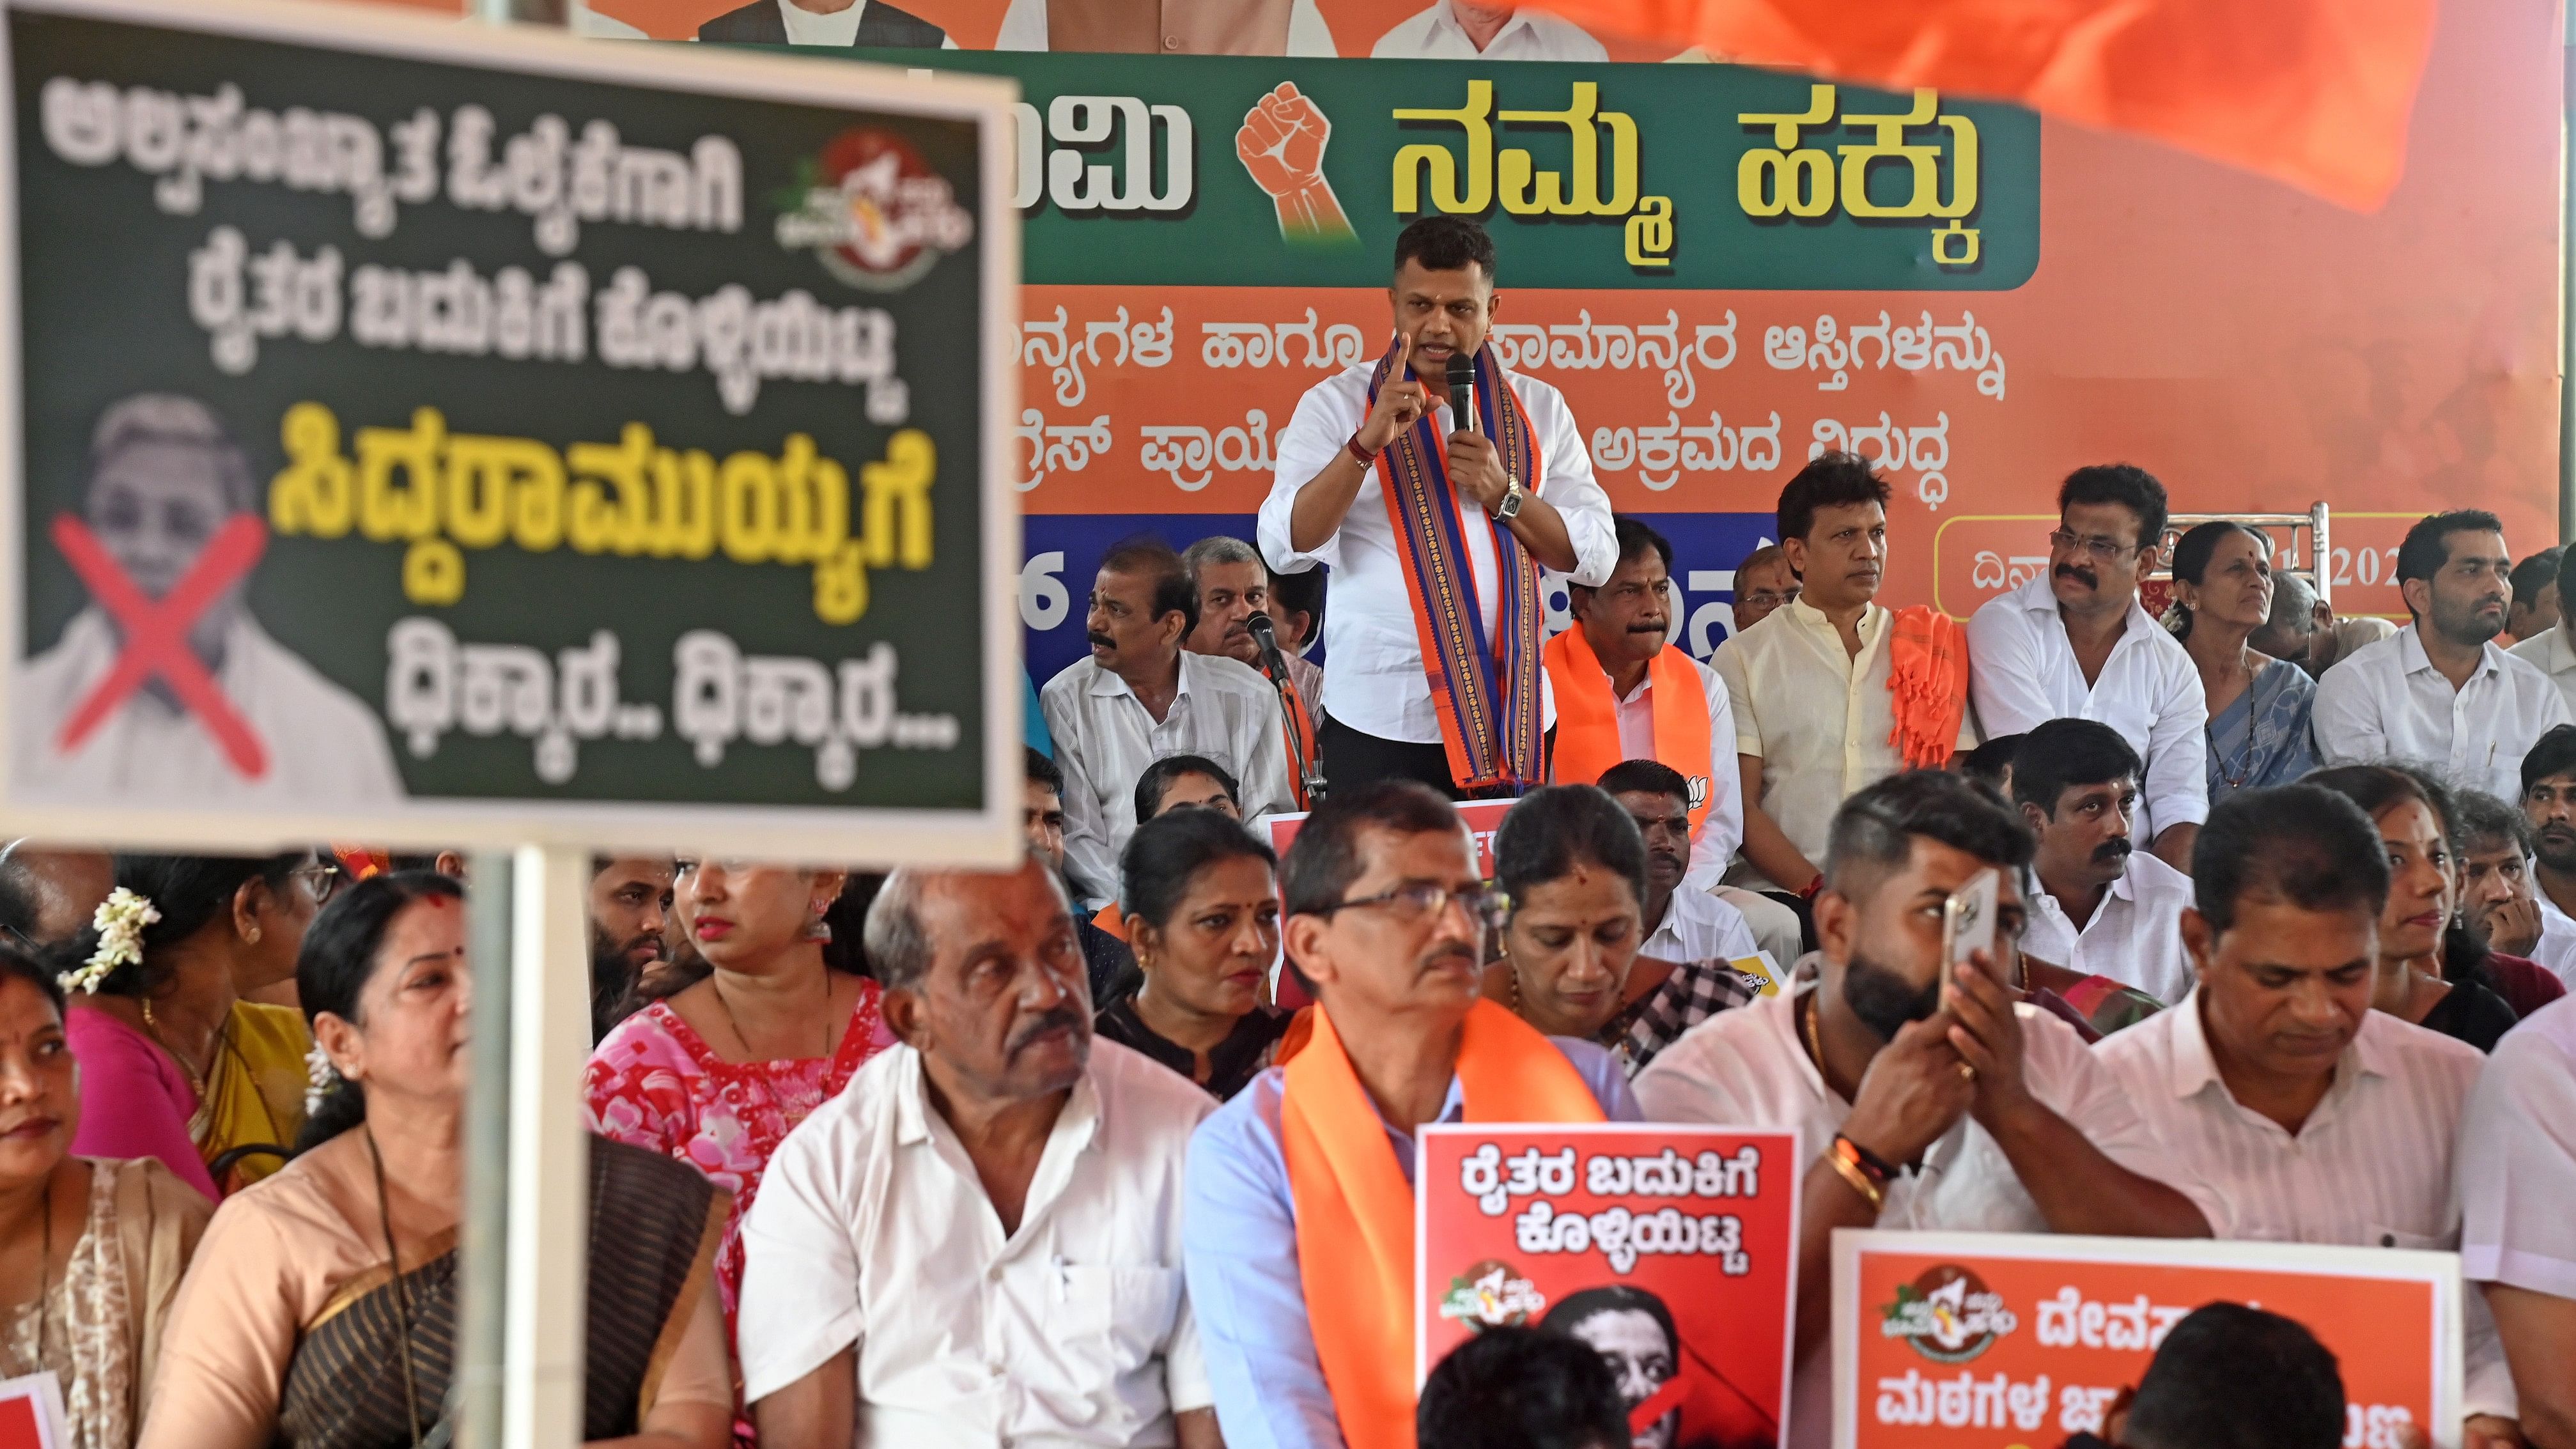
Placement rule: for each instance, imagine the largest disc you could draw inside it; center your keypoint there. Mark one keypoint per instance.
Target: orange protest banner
(1672, 1251)
(2010, 1341)
(1483, 818)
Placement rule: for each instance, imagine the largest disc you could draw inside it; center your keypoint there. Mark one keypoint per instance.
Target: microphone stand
(1309, 772)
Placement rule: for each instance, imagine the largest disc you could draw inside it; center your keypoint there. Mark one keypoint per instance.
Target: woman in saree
(91, 1251)
(322, 1311)
(175, 1063)
(2258, 705)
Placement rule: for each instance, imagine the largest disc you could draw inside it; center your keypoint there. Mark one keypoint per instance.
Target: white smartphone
(1968, 923)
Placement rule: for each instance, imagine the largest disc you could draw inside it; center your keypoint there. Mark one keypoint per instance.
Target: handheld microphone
(1266, 635)
(1462, 377)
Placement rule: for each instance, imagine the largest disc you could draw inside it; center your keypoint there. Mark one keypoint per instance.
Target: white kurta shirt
(1817, 716)
(1376, 684)
(2548, 652)
(2023, 671)
(1104, 739)
(1698, 926)
(1435, 34)
(2517, 1159)
(1722, 830)
(2370, 1167)
(1747, 1068)
(872, 1230)
(2556, 951)
(2387, 701)
(2134, 937)
(325, 749)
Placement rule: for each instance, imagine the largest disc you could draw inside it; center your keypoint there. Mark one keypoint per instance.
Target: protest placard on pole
(1671, 1250)
(1987, 1340)
(437, 436)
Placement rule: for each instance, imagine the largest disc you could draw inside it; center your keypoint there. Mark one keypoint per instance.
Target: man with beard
(1139, 697)
(1681, 924)
(1623, 692)
(2440, 694)
(2549, 803)
(981, 1235)
(630, 900)
(1429, 521)
(2498, 902)
(1971, 1114)
(2103, 908)
(1813, 686)
(1299, 1219)
(2304, 1115)
(2074, 643)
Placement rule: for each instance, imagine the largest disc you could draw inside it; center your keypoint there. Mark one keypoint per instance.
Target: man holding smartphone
(1975, 1113)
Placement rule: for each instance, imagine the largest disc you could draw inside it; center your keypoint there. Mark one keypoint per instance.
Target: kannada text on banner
(1671, 1251)
(416, 422)
(1993, 1340)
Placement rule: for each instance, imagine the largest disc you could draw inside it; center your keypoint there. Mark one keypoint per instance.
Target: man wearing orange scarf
(1297, 1223)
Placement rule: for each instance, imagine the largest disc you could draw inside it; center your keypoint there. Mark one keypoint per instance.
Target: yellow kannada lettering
(1601, 180)
(441, 493)
(1795, 180)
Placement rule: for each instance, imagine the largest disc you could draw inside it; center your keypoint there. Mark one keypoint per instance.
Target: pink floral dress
(655, 1083)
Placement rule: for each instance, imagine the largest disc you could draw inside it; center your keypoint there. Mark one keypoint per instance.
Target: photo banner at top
(430, 436)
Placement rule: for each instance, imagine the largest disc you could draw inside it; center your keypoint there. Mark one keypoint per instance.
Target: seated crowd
(1118, 1147)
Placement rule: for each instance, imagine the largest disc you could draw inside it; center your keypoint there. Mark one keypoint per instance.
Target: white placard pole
(549, 1155)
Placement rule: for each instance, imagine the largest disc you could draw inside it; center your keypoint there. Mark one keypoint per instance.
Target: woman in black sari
(325, 1317)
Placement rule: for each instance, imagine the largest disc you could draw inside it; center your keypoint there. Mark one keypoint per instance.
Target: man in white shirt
(979, 1240)
(2516, 1176)
(2549, 648)
(2549, 803)
(167, 485)
(1456, 30)
(1167, 27)
(2104, 908)
(1925, 1108)
(1681, 921)
(2306, 1116)
(2074, 643)
(1603, 673)
(2303, 628)
(1140, 697)
(1334, 499)
(2441, 694)
(1809, 685)
(1233, 586)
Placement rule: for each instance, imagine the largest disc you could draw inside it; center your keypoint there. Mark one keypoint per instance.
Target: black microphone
(1462, 375)
(1266, 635)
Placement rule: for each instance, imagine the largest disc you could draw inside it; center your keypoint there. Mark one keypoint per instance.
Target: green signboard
(443, 435)
(1140, 170)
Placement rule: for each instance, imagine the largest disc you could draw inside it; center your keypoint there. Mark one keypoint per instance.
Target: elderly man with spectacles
(1297, 1223)
(2074, 643)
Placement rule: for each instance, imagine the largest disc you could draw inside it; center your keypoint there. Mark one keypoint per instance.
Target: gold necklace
(195, 1081)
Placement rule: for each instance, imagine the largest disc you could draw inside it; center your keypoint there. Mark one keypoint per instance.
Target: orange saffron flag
(2312, 92)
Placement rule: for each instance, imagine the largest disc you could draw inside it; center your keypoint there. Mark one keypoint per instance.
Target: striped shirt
(2371, 1166)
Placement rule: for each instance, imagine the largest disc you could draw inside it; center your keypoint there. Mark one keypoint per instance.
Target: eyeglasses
(1768, 599)
(2101, 546)
(319, 879)
(1486, 905)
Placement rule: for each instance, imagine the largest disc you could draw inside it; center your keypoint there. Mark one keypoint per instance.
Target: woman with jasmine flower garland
(175, 1064)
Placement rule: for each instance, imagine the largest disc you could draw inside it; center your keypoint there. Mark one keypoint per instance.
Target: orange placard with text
(1672, 1251)
(2007, 1341)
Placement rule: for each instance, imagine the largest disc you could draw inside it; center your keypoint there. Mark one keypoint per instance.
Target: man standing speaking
(1435, 526)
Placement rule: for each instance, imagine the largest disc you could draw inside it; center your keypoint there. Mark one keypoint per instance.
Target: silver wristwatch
(1510, 506)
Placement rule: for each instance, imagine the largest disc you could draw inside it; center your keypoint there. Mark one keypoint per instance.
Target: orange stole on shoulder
(1587, 718)
(1355, 1210)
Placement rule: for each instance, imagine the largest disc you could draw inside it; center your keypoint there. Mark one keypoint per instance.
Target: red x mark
(156, 635)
